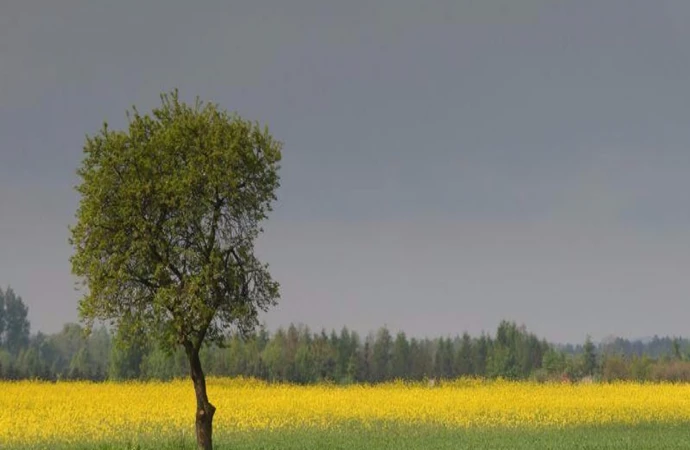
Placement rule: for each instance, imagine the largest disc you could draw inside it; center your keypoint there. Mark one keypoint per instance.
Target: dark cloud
(410, 130)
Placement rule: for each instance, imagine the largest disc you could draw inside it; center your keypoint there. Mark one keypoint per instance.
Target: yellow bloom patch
(81, 411)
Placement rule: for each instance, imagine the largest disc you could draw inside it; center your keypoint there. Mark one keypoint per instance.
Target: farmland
(466, 413)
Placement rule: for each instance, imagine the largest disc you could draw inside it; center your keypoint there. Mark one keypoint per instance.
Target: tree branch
(214, 225)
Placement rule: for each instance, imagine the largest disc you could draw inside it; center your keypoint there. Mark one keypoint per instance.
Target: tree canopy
(169, 212)
(15, 322)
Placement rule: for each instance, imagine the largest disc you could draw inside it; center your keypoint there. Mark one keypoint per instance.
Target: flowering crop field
(79, 414)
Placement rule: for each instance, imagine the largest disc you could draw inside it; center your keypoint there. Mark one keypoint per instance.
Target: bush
(676, 371)
(615, 368)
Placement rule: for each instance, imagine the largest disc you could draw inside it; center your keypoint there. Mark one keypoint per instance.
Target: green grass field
(647, 436)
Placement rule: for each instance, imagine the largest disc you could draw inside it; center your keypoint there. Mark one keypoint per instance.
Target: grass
(401, 437)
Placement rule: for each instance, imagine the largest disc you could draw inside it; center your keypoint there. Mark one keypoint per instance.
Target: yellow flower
(32, 412)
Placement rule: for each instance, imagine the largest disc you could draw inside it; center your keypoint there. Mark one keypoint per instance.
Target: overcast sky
(446, 164)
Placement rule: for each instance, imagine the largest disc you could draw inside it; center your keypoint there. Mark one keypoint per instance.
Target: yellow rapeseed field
(79, 411)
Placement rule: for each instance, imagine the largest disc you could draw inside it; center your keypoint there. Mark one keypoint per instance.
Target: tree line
(297, 354)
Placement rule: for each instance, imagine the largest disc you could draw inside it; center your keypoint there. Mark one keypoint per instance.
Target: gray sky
(446, 164)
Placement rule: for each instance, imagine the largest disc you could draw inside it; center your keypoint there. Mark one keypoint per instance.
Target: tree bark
(204, 409)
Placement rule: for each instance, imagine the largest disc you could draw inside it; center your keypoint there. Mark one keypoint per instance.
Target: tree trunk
(204, 409)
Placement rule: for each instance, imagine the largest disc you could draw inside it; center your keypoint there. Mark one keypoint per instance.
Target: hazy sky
(446, 164)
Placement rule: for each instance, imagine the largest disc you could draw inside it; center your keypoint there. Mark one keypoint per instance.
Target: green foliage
(589, 358)
(444, 359)
(17, 326)
(2, 316)
(127, 353)
(463, 360)
(300, 356)
(6, 364)
(515, 353)
(381, 355)
(81, 366)
(324, 361)
(29, 363)
(346, 346)
(401, 357)
(615, 368)
(169, 212)
(676, 349)
(676, 371)
(160, 364)
(66, 345)
(480, 354)
(554, 363)
(640, 367)
(305, 370)
(275, 357)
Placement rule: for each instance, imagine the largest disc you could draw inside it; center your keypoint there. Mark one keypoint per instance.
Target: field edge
(399, 436)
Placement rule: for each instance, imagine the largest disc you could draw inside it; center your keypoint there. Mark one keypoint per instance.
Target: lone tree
(164, 239)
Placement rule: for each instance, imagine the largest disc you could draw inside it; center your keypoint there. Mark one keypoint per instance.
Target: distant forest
(299, 355)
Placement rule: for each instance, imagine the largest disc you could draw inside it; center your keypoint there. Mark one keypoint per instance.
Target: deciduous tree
(164, 240)
(17, 327)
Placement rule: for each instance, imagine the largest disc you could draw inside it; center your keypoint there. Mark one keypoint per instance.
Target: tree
(2, 315)
(400, 359)
(324, 357)
(346, 350)
(275, 356)
(364, 366)
(480, 354)
(304, 362)
(614, 367)
(381, 355)
(159, 364)
(463, 361)
(443, 359)
(554, 362)
(676, 349)
(65, 345)
(164, 240)
(128, 350)
(421, 360)
(17, 326)
(353, 363)
(502, 361)
(99, 348)
(589, 357)
(81, 367)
